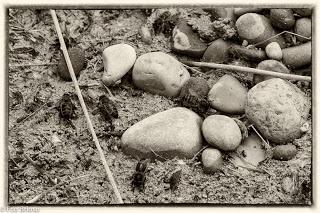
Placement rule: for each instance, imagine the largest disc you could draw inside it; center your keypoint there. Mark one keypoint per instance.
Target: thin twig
(28, 116)
(84, 108)
(157, 154)
(112, 97)
(267, 145)
(194, 157)
(249, 70)
(29, 65)
(37, 197)
(191, 68)
(256, 44)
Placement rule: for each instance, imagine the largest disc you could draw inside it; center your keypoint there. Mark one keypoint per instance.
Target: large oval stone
(256, 28)
(117, 60)
(221, 132)
(278, 109)
(159, 73)
(228, 95)
(172, 133)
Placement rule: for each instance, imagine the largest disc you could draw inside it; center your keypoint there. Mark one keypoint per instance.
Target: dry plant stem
(157, 154)
(29, 65)
(249, 70)
(194, 157)
(267, 145)
(29, 116)
(279, 35)
(84, 108)
(191, 68)
(37, 197)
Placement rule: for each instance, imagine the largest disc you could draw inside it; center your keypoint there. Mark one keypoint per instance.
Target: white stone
(222, 132)
(172, 133)
(117, 60)
(159, 73)
(278, 109)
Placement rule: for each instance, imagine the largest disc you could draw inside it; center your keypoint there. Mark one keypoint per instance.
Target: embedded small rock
(270, 65)
(117, 60)
(146, 35)
(187, 42)
(282, 18)
(278, 109)
(221, 132)
(217, 52)
(212, 160)
(172, 133)
(303, 11)
(284, 152)
(78, 61)
(228, 95)
(303, 27)
(273, 51)
(159, 73)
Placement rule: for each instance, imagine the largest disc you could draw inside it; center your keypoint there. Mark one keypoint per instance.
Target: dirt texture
(45, 150)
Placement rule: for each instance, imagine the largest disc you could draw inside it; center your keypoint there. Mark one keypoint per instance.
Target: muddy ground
(62, 152)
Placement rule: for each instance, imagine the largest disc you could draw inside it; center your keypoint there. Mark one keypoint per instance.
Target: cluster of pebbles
(276, 107)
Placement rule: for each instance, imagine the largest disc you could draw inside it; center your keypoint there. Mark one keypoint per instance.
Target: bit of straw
(84, 108)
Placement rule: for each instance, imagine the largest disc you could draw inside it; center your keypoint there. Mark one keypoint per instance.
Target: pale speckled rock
(256, 28)
(117, 60)
(172, 133)
(273, 51)
(221, 132)
(228, 95)
(303, 27)
(270, 65)
(278, 109)
(159, 73)
(212, 160)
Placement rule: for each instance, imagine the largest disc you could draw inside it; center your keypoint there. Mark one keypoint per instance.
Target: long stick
(84, 108)
(248, 70)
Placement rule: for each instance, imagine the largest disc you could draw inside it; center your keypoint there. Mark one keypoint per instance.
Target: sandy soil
(65, 153)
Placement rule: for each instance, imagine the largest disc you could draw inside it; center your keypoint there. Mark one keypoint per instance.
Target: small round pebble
(212, 160)
(273, 51)
(221, 132)
(77, 57)
(145, 34)
(284, 152)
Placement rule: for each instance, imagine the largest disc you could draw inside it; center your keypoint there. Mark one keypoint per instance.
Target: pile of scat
(215, 121)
